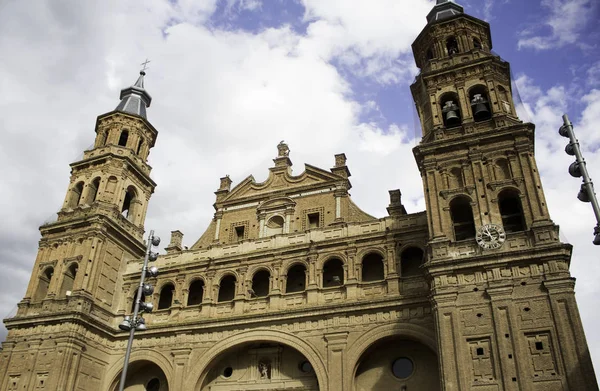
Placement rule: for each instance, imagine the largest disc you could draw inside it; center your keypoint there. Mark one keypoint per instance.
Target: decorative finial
(283, 149)
(144, 64)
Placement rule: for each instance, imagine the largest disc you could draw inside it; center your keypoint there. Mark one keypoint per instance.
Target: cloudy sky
(231, 78)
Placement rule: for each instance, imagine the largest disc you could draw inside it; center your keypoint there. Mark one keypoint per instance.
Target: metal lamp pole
(135, 322)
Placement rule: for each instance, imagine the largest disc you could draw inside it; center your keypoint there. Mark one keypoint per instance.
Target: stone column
(218, 217)
(336, 343)
(349, 269)
(180, 359)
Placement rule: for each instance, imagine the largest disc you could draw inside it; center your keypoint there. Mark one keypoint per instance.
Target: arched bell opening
(143, 376)
(477, 44)
(450, 108)
(462, 218)
(511, 211)
(296, 279)
(429, 54)
(130, 204)
(372, 267)
(123, 138)
(260, 283)
(260, 365)
(480, 103)
(43, 284)
(227, 288)
(411, 262)
(69, 280)
(75, 195)
(451, 46)
(333, 273)
(397, 364)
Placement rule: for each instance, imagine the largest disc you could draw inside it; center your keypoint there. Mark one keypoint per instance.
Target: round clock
(490, 236)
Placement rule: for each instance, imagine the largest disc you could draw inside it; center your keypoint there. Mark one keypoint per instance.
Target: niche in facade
(275, 225)
(372, 267)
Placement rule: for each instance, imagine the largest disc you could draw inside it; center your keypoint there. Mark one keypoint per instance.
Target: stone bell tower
(501, 290)
(76, 277)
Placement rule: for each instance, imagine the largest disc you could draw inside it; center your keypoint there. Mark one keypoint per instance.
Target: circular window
(402, 367)
(227, 372)
(305, 367)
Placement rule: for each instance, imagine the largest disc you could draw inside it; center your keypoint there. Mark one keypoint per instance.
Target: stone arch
(252, 270)
(260, 282)
(43, 283)
(449, 104)
(360, 345)
(462, 217)
(139, 355)
(510, 207)
(333, 271)
(68, 278)
(75, 194)
(195, 291)
(325, 258)
(198, 373)
(296, 282)
(372, 266)
(123, 138)
(479, 101)
(93, 189)
(166, 294)
(227, 293)
(290, 264)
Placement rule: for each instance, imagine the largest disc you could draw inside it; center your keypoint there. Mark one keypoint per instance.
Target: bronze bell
(480, 109)
(450, 111)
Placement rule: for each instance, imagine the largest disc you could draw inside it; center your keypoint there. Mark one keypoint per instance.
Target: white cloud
(566, 20)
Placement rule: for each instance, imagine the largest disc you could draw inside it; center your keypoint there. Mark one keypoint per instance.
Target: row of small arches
(500, 171)
(509, 205)
(451, 47)
(372, 268)
(46, 277)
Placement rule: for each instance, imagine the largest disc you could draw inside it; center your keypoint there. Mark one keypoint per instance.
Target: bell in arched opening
(451, 114)
(480, 108)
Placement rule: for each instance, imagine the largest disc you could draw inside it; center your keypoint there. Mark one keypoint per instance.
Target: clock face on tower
(490, 236)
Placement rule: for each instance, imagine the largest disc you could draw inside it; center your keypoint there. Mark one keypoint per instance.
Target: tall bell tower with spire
(76, 277)
(501, 292)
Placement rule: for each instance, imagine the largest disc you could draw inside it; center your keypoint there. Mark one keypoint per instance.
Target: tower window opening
(129, 203)
(476, 44)
(313, 220)
(43, 284)
(511, 211)
(140, 145)
(333, 273)
(239, 233)
(480, 104)
(429, 54)
(123, 138)
(195, 293)
(411, 261)
(372, 267)
(142, 300)
(76, 193)
(452, 46)
(69, 280)
(462, 218)
(165, 299)
(227, 289)
(93, 190)
(450, 110)
(260, 283)
(296, 279)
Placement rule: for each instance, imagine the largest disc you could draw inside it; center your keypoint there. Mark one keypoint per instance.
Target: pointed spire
(135, 99)
(444, 9)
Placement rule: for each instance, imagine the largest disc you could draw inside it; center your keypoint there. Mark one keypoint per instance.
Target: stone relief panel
(483, 366)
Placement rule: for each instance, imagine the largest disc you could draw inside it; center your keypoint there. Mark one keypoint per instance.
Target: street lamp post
(578, 169)
(134, 322)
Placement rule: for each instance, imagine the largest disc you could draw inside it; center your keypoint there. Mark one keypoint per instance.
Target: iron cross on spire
(145, 63)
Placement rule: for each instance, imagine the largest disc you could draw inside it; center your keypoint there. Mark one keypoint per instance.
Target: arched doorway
(260, 366)
(397, 364)
(143, 375)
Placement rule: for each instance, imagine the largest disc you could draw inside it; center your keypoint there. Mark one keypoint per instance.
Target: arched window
(140, 145)
(480, 103)
(502, 169)
(165, 300)
(511, 211)
(227, 288)
(429, 54)
(68, 280)
(476, 44)
(296, 279)
(275, 225)
(143, 300)
(43, 284)
(129, 203)
(455, 179)
(195, 293)
(452, 46)
(372, 267)
(462, 218)
(75, 197)
(411, 261)
(123, 138)
(333, 273)
(260, 283)
(450, 110)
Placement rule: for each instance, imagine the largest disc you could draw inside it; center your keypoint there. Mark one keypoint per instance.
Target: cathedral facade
(293, 287)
